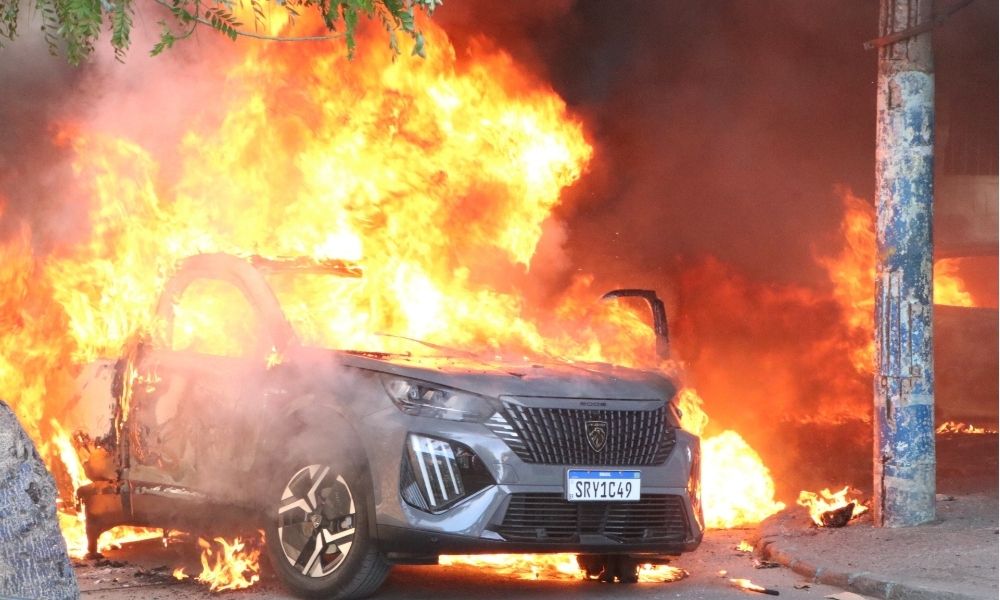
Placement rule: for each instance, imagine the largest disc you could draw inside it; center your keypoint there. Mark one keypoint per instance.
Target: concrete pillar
(904, 359)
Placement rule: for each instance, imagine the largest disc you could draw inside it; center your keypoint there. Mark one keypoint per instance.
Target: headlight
(437, 473)
(422, 400)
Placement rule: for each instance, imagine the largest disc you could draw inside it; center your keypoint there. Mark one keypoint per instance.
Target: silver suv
(354, 460)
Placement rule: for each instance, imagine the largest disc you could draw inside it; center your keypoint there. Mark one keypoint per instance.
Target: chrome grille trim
(558, 436)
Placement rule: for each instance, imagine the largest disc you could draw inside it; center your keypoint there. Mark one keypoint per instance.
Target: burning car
(351, 460)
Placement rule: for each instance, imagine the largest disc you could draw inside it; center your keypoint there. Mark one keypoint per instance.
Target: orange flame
(826, 501)
(956, 427)
(949, 289)
(737, 489)
(72, 521)
(522, 566)
(179, 574)
(551, 567)
(748, 585)
(852, 273)
(231, 566)
(650, 573)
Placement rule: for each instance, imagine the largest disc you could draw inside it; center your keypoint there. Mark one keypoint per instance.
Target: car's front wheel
(318, 536)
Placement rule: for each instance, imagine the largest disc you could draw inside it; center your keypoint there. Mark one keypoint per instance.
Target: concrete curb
(859, 582)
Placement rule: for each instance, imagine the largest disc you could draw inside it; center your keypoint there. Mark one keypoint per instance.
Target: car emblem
(597, 434)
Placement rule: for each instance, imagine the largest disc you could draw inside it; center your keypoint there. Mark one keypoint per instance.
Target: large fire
(440, 176)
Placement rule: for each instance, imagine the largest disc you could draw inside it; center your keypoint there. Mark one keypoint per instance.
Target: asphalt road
(134, 575)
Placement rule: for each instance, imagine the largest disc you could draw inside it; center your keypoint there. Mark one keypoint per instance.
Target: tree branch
(259, 36)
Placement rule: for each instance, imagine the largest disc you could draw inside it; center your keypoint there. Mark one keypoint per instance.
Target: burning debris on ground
(746, 584)
(953, 427)
(833, 509)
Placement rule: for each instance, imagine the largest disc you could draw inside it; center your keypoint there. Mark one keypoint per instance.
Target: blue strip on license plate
(584, 485)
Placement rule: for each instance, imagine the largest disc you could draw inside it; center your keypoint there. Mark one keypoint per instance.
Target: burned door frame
(153, 493)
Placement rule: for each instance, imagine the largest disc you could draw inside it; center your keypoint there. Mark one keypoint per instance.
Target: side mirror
(659, 316)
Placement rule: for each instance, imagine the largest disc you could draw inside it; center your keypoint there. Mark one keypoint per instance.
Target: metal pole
(904, 360)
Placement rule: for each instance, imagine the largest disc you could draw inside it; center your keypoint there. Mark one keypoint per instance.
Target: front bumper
(479, 523)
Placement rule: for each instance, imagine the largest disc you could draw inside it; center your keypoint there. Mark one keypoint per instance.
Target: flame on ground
(826, 501)
(228, 565)
(548, 567)
(746, 584)
(650, 573)
(522, 566)
(956, 427)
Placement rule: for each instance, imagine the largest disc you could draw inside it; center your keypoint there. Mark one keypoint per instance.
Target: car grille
(558, 436)
(552, 518)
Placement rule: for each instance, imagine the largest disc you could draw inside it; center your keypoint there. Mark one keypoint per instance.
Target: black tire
(592, 565)
(608, 568)
(319, 538)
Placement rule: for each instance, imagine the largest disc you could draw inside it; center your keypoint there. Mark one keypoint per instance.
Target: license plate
(617, 486)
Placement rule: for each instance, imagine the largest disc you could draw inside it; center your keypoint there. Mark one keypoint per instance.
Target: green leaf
(350, 26)
(121, 27)
(8, 18)
(74, 26)
(406, 20)
(167, 40)
(50, 24)
(418, 45)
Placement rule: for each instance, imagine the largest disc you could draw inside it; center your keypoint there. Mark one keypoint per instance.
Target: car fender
(312, 427)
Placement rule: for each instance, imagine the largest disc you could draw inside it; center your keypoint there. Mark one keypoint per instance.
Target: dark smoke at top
(724, 128)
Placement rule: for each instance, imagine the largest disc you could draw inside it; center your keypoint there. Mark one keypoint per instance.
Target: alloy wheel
(316, 521)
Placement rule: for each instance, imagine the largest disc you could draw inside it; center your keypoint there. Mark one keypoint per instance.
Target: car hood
(494, 378)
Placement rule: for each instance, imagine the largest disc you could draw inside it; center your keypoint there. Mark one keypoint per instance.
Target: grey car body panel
(496, 378)
(386, 430)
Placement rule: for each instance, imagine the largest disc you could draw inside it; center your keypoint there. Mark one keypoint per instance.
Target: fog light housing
(438, 473)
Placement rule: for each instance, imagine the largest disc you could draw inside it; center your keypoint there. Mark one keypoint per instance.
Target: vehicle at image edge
(351, 461)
